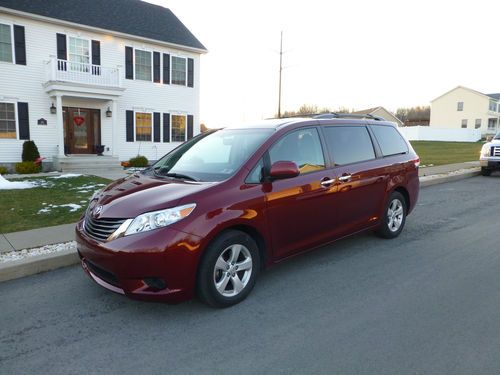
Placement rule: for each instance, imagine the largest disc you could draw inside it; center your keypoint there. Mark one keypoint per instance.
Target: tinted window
(303, 147)
(349, 144)
(255, 175)
(389, 139)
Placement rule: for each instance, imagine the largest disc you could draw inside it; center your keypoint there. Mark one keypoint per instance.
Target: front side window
(143, 65)
(79, 54)
(389, 140)
(303, 147)
(143, 126)
(349, 144)
(460, 106)
(5, 43)
(478, 123)
(178, 128)
(7, 120)
(464, 123)
(178, 70)
(213, 157)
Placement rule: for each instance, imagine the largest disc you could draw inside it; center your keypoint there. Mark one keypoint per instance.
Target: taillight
(416, 162)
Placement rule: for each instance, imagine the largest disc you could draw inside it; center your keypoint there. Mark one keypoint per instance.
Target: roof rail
(347, 115)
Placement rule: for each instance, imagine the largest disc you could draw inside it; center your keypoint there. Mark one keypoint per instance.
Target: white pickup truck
(490, 156)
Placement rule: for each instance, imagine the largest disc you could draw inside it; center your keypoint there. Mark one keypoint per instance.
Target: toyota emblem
(97, 210)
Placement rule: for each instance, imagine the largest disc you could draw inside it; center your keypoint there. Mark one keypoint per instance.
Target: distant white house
(380, 112)
(464, 108)
(79, 74)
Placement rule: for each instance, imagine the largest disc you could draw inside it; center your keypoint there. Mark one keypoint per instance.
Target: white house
(380, 112)
(464, 108)
(78, 74)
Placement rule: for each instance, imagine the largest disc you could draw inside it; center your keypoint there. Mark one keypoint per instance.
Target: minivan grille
(101, 229)
(495, 151)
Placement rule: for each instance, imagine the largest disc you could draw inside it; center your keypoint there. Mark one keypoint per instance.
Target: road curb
(38, 263)
(47, 262)
(448, 178)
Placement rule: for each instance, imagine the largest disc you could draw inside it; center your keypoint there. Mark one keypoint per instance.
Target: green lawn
(42, 206)
(439, 153)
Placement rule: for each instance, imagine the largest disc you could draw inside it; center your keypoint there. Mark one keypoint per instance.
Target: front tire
(394, 217)
(485, 171)
(228, 269)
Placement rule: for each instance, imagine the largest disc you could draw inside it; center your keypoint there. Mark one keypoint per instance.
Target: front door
(82, 130)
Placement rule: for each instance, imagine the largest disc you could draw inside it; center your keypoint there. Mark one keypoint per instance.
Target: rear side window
(349, 144)
(390, 141)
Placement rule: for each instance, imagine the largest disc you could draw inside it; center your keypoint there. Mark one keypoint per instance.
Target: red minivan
(211, 214)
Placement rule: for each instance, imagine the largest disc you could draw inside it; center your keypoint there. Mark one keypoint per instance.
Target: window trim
(16, 119)
(12, 46)
(151, 62)
(460, 106)
(172, 69)
(135, 125)
(172, 127)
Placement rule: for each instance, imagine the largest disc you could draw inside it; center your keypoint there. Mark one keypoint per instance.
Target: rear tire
(485, 171)
(394, 217)
(228, 270)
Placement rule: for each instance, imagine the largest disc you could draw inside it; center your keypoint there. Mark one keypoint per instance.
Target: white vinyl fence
(427, 133)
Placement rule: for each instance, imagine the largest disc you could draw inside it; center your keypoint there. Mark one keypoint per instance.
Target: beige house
(380, 112)
(464, 108)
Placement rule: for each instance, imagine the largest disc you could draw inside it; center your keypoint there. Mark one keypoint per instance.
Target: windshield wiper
(179, 175)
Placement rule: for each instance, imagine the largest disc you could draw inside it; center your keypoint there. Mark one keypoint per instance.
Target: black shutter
(190, 72)
(24, 120)
(130, 126)
(96, 52)
(190, 126)
(156, 66)
(156, 127)
(166, 127)
(61, 47)
(19, 45)
(166, 69)
(129, 63)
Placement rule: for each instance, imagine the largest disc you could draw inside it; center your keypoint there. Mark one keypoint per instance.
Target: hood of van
(139, 193)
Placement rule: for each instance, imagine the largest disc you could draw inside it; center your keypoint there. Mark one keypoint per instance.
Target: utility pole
(281, 68)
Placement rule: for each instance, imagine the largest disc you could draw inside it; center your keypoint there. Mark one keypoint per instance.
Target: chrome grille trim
(495, 151)
(101, 229)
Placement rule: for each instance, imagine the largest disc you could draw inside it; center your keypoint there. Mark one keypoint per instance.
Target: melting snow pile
(72, 207)
(67, 175)
(8, 185)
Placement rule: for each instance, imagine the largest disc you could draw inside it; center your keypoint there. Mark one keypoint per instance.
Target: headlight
(486, 150)
(159, 219)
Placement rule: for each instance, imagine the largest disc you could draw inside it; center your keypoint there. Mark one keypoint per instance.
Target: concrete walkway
(36, 237)
(447, 168)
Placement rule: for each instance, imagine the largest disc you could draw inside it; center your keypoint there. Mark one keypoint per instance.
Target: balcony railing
(96, 75)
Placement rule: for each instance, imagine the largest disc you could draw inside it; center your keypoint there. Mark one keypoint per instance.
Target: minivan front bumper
(158, 265)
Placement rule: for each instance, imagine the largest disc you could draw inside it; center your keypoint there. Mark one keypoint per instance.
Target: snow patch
(10, 185)
(67, 175)
(72, 207)
(47, 249)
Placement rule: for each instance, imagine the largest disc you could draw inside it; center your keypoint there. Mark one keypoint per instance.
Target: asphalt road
(427, 302)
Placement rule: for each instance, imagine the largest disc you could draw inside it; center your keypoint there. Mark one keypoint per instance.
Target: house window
(464, 124)
(143, 126)
(143, 65)
(492, 123)
(5, 43)
(79, 54)
(493, 106)
(7, 121)
(178, 70)
(460, 106)
(178, 128)
(478, 123)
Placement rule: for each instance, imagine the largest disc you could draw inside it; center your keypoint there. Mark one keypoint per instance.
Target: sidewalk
(56, 235)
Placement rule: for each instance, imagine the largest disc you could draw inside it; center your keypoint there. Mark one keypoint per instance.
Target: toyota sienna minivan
(211, 214)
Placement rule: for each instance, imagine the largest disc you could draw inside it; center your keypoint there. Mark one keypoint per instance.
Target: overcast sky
(353, 53)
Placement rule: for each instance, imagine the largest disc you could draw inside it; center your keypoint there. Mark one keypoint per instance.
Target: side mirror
(283, 169)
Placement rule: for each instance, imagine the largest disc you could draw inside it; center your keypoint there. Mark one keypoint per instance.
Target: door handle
(327, 183)
(345, 178)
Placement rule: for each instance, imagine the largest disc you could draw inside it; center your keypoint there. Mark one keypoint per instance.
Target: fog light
(155, 283)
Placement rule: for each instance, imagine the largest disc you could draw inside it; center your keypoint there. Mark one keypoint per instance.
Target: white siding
(24, 83)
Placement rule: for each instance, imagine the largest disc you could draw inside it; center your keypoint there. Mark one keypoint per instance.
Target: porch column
(114, 130)
(60, 126)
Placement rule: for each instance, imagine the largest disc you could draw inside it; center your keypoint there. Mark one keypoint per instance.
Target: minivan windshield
(214, 157)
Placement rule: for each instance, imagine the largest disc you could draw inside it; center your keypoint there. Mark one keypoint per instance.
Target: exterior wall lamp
(53, 109)
(109, 113)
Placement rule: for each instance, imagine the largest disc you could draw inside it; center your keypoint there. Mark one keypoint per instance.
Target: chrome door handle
(345, 178)
(326, 183)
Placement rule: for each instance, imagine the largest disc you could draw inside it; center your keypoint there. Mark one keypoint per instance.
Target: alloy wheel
(233, 270)
(395, 214)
